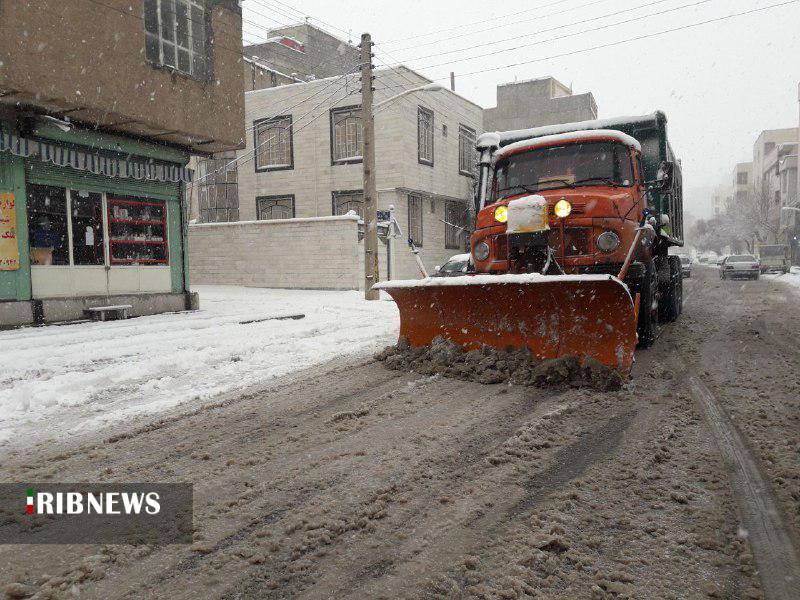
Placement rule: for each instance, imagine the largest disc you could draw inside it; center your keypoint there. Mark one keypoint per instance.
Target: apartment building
(94, 146)
(537, 102)
(303, 162)
(741, 182)
(288, 55)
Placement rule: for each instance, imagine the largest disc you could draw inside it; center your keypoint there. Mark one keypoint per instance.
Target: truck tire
(647, 326)
(671, 302)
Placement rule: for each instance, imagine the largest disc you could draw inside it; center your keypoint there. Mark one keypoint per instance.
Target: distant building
(720, 199)
(101, 105)
(741, 183)
(301, 174)
(765, 145)
(537, 102)
(289, 55)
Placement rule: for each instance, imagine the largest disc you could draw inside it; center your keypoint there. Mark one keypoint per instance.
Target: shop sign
(9, 250)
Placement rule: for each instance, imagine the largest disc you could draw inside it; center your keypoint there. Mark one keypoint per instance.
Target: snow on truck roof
(503, 138)
(566, 138)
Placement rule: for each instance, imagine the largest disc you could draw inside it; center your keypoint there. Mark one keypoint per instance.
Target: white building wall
(290, 253)
(314, 178)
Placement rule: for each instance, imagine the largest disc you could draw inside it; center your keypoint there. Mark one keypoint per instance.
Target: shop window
(347, 135)
(137, 231)
(425, 136)
(86, 210)
(415, 219)
(273, 144)
(47, 225)
(455, 217)
(275, 207)
(344, 202)
(176, 36)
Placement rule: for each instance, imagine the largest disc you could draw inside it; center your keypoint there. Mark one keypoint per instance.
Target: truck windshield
(591, 163)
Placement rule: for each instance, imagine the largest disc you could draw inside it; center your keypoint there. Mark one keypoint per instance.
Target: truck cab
(595, 190)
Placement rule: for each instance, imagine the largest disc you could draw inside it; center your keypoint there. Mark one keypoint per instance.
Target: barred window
(425, 135)
(176, 35)
(455, 227)
(273, 143)
(275, 207)
(466, 150)
(415, 219)
(347, 134)
(344, 202)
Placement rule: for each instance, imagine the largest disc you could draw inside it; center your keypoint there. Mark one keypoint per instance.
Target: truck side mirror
(664, 175)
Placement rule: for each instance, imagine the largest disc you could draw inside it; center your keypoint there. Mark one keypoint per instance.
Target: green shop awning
(93, 162)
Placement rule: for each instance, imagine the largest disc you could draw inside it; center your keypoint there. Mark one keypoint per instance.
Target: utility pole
(368, 163)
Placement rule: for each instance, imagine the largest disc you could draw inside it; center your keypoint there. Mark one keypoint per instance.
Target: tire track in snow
(773, 547)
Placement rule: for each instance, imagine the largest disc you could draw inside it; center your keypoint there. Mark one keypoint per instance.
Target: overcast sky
(719, 83)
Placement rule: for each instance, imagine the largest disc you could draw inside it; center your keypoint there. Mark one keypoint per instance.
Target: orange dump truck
(570, 247)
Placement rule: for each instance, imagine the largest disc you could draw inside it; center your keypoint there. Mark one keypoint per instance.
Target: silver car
(740, 266)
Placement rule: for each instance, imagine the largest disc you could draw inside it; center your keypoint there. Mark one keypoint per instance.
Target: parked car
(774, 258)
(686, 265)
(740, 265)
(455, 266)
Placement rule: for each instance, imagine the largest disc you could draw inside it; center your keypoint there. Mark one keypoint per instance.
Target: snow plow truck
(570, 246)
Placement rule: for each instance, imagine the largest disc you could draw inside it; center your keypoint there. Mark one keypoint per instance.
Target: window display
(87, 228)
(47, 224)
(137, 232)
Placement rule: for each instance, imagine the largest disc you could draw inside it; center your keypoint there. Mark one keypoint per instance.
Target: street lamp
(428, 87)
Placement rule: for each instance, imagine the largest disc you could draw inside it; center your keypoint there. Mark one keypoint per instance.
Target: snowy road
(351, 481)
(74, 379)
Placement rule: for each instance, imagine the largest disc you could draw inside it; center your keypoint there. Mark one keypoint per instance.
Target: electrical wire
(556, 28)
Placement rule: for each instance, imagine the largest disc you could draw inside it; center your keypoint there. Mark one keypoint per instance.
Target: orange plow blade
(553, 315)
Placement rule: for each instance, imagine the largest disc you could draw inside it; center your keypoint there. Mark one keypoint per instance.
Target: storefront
(88, 220)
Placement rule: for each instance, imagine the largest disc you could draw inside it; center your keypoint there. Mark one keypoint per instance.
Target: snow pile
(527, 214)
(489, 365)
(792, 278)
(73, 377)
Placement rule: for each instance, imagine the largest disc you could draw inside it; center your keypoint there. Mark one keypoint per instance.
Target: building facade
(303, 161)
(535, 103)
(289, 55)
(94, 146)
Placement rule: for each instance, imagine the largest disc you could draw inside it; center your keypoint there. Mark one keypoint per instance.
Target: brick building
(100, 109)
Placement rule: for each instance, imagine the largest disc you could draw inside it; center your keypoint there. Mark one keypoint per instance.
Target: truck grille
(577, 241)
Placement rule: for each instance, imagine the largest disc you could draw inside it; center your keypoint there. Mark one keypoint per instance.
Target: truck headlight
(608, 241)
(562, 208)
(501, 214)
(481, 251)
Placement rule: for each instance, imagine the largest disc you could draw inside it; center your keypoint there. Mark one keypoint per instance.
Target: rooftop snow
(566, 138)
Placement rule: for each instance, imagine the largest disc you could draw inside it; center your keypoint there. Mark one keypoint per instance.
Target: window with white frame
(275, 207)
(345, 201)
(415, 219)
(425, 135)
(347, 135)
(455, 226)
(176, 36)
(466, 150)
(273, 143)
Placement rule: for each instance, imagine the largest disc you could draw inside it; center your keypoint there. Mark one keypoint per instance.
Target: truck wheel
(647, 326)
(671, 300)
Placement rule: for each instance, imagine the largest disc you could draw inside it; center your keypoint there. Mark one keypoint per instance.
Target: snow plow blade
(554, 315)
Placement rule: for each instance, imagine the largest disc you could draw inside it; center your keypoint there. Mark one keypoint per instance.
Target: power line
(461, 26)
(625, 41)
(253, 152)
(556, 28)
(568, 35)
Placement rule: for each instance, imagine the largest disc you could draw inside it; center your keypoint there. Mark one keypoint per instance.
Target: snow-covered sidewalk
(792, 278)
(66, 379)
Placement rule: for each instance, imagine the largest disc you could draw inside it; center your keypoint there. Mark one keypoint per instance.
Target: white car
(455, 266)
(740, 266)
